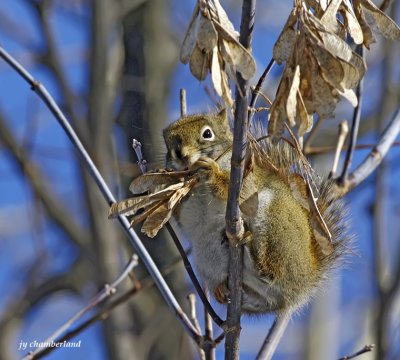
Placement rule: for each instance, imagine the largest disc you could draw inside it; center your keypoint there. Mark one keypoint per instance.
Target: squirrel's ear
(222, 114)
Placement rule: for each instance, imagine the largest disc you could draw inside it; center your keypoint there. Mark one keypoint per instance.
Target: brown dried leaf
(236, 55)
(156, 219)
(189, 41)
(216, 77)
(207, 37)
(350, 96)
(304, 120)
(367, 33)
(329, 19)
(353, 26)
(378, 19)
(291, 102)
(198, 63)
(219, 15)
(324, 99)
(152, 181)
(226, 90)
(286, 40)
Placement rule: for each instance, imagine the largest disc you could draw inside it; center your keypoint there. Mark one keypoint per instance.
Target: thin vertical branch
(274, 336)
(135, 240)
(354, 127)
(234, 223)
(182, 96)
(257, 89)
(343, 130)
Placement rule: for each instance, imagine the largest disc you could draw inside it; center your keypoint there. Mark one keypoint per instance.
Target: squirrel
(290, 250)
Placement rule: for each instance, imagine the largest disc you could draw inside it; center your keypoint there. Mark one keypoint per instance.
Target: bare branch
(234, 223)
(365, 349)
(343, 130)
(375, 157)
(274, 336)
(135, 240)
(182, 96)
(257, 89)
(354, 127)
(109, 289)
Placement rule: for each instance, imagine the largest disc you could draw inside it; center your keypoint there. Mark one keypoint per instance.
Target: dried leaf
(367, 33)
(207, 37)
(350, 96)
(237, 56)
(152, 181)
(291, 102)
(216, 72)
(353, 26)
(304, 120)
(222, 18)
(329, 17)
(156, 220)
(378, 19)
(189, 41)
(199, 63)
(286, 40)
(226, 90)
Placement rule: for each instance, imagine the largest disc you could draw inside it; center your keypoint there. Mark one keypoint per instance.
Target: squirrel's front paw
(205, 166)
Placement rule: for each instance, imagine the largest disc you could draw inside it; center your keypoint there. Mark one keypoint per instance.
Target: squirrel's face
(195, 136)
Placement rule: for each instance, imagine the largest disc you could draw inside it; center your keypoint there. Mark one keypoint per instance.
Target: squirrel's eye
(207, 134)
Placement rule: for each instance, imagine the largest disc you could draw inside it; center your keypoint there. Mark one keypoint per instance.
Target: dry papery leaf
(320, 65)
(165, 190)
(211, 44)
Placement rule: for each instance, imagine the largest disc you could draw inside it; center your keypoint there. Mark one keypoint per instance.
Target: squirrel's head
(194, 136)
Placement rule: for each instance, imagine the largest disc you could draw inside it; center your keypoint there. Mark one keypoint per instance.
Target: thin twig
(257, 89)
(234, 223)
(137, 146)
(135, 240)
(343, 131)
(182, 98)
(274, 336)
(193, 316)
(375, 157)
(209, 346)
(193, 277)
(354, 127)
(109, 289)
(365, 349)
(315, 150)
(104, 313)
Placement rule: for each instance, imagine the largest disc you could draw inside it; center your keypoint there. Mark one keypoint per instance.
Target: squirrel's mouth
(181, 161)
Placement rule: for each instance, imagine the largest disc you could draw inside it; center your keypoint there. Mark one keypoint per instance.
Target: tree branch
(108, 290)
(377, 154)
(135, 240)
(354, 127)
(274, 336)
(234, 223)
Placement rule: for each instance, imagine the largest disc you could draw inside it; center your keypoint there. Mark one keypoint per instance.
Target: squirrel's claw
(205, 165)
